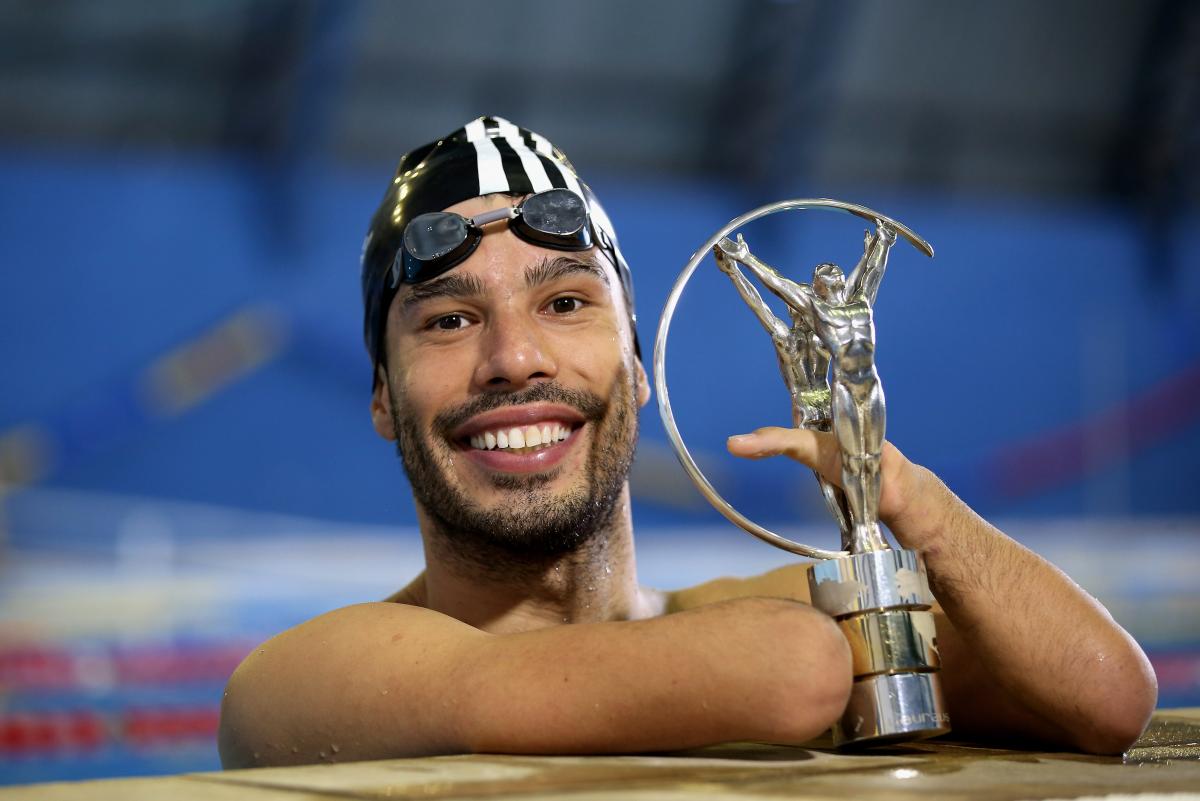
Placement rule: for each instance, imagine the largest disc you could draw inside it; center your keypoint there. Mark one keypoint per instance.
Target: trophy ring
(660, 356)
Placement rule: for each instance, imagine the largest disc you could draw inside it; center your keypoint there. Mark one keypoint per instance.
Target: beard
(531, 522)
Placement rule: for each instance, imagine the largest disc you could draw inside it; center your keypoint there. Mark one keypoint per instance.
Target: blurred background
(186, 460)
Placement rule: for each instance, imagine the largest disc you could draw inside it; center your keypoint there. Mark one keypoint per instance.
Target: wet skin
(515, 338)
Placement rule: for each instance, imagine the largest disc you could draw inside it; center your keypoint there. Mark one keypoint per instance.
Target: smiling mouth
(521, 439)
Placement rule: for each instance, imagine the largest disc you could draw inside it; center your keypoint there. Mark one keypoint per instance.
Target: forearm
(751, 669)
(381, 681)
(1028, 652)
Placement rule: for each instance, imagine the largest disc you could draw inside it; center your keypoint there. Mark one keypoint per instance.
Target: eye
(450, 322)
(566, 305)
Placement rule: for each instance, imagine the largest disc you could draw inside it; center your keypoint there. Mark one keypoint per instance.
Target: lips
(526, 438)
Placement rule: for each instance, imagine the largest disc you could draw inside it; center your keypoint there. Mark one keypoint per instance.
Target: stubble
(532, 524)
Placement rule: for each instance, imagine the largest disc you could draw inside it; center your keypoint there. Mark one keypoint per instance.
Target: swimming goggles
(435, 242)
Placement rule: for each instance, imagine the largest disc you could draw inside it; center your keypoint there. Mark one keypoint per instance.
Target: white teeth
(536, 436)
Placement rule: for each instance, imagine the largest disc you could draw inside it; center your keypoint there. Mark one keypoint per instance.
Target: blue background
(1033, 320)
(187, 466)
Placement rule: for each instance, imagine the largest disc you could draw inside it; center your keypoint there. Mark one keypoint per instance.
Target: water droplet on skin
(383, 692)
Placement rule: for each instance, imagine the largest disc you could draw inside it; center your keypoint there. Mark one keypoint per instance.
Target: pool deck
(1165, 762)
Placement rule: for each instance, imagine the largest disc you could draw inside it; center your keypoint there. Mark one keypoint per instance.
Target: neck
(502, 592)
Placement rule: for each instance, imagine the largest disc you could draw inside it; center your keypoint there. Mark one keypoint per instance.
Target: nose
(515, 354)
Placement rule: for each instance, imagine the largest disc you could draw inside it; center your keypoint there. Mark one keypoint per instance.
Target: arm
(1025, 652)
(762, 311)
(381, 680)
(868, 273)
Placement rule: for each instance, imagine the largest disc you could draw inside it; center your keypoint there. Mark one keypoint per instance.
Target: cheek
(593, 359)
(606, 341)
(432, 384)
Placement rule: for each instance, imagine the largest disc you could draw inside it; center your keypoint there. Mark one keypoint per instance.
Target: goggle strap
(506, 213)
(397, 269)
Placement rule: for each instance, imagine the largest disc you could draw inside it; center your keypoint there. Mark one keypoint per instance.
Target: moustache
(589, 404)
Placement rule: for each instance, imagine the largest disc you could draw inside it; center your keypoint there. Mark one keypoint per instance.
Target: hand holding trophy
(879, 596)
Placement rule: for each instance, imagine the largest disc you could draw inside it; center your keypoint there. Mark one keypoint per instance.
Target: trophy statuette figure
(879, 596)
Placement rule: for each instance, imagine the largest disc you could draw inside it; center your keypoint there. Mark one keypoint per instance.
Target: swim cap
(485, 156)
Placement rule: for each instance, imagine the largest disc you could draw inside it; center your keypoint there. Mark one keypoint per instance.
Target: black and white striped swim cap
(485, 156)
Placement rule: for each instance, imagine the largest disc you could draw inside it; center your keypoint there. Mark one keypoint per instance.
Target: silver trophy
(878, 595)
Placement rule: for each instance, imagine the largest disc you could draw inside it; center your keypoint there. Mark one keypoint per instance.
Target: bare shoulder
(351, 669)
(789, 582)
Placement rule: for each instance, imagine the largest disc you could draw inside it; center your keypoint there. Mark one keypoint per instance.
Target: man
(499, 318)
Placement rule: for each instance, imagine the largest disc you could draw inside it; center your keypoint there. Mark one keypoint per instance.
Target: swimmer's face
(512, 390)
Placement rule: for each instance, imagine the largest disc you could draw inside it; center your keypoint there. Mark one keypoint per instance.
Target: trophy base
(881, 601)
(891, 709)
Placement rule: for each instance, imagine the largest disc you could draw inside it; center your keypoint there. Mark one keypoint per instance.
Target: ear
(643, 383)
(381, 407)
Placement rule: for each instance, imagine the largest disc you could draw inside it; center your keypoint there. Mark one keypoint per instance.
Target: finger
(815, 449)
(819, 451)
(774, 441)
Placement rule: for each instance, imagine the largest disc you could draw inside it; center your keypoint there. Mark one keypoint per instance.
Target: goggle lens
(433, 236)
(557, 212)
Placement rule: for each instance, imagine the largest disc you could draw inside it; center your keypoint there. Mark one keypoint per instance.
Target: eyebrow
(451, 285)
(465, 285)
(552, 268)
